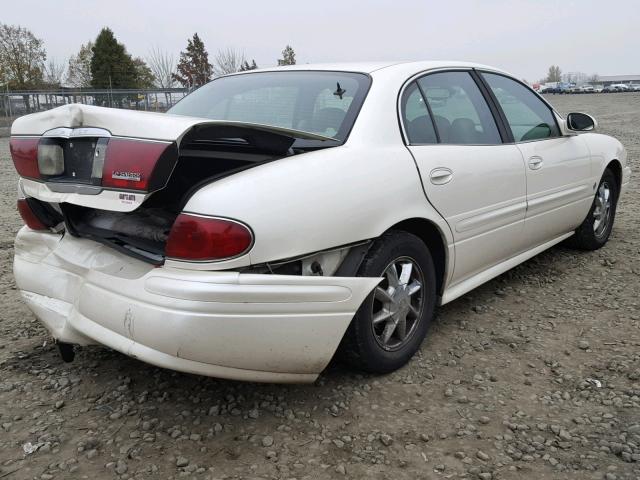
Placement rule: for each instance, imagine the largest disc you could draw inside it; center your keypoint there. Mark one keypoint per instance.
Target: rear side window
(528, 116)
(460, 112)
(417, 121)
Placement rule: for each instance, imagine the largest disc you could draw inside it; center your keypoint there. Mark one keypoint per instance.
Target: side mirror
(581, 122)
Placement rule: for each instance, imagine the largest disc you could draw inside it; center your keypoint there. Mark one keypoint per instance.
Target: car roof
(371, 67)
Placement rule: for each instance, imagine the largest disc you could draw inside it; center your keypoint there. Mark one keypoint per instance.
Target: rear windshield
(325, 103)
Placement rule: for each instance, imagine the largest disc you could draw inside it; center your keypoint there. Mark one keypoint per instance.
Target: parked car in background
(598, 88)
(587, 89)
(554, 90)
(619, 87)
(274, 217)
(635, 87)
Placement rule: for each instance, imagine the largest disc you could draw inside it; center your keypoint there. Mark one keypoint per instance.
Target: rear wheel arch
(433, 238)
(616, 168)
(394, 319)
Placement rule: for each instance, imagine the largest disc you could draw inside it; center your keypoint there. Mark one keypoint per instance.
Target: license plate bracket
(83, 160)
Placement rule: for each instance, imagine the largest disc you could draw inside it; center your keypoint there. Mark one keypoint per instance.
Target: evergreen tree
(194, 68)
(554, 74)
(111, 65)
(246, 66)
(144, 76)
(288, 56)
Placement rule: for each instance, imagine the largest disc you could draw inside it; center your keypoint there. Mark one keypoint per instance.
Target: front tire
(595, 230)
(392, 322)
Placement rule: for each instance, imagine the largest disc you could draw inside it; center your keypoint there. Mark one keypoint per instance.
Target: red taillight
(30, 219)
(129, 164)
(24, 152)
(193, 237)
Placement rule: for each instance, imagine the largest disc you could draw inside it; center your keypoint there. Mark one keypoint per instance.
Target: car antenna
(339, 91)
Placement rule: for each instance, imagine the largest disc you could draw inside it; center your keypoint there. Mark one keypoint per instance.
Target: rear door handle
(440, 176)
(535, 163)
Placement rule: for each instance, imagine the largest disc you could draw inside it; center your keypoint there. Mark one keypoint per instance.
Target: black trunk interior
(207, 153)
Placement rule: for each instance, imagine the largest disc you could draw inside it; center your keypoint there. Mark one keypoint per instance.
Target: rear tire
(595, 230)
(392, 322)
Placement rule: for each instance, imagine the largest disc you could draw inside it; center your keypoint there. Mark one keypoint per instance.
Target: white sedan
(273, 218)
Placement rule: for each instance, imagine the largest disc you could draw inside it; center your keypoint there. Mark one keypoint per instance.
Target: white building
(606, 80)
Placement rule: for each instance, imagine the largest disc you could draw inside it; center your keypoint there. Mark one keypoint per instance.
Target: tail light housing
(50, 158)
(24, 152)
(201, 238)
(29, 217)
(130, 164)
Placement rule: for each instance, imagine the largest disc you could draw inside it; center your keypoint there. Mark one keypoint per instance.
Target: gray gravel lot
(499, 390)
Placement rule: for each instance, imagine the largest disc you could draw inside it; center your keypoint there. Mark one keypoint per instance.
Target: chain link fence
(14, 104)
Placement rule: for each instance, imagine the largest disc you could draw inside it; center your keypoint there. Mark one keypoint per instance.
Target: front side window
(325, 103)
(528, 116)
(460, 112)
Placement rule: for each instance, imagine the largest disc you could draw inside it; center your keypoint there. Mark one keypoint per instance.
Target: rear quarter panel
(318, 200)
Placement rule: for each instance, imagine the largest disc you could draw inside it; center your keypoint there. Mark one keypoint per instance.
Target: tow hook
(66, 352)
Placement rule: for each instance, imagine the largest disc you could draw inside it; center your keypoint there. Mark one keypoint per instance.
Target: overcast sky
(523, 37)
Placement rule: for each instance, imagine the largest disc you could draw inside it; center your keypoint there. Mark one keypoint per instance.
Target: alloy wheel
(397, 304)
(602, 210)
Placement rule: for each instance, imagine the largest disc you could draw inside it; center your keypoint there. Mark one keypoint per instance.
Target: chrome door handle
(535, 163)
(440, 176)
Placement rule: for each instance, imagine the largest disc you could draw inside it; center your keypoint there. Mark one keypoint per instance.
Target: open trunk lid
(114, 159)
(122, 177)
(131, 123)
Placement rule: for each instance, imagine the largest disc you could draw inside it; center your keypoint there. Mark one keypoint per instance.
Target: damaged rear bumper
(271, 328)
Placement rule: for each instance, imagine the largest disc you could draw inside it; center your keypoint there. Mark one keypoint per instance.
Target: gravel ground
(535, 375)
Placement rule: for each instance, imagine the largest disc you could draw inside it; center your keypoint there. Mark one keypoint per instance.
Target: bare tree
(595, 78)
(79, 70)
(163, 66)
(53, 76)
(228, 60)
(54, 73)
